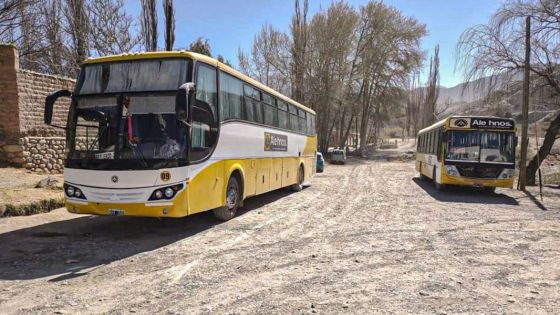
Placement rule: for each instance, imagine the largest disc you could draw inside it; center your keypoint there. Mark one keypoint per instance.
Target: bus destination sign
(482, 123)
(275, 142)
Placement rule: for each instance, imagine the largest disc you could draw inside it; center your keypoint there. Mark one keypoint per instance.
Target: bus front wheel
(228, 211)
(300, 176)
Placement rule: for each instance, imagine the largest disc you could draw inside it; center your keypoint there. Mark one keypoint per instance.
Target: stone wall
(44, 154)
(25, 141)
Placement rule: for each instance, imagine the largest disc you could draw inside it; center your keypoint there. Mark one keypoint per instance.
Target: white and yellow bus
(468, 151)
(169, 134)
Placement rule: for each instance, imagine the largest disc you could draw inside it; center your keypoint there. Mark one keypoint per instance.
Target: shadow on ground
(464, 194)
(71, 248)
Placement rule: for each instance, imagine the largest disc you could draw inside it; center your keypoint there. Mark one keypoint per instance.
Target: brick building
(25, 141)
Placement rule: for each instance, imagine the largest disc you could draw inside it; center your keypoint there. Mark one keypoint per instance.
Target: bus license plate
(116, 212)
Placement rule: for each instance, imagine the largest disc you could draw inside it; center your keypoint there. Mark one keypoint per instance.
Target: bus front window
(481, 146)
(497, 147)
(463, 146)
(149, 129)
(139, 127)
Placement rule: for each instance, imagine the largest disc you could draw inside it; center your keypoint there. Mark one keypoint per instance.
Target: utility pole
(525, 122)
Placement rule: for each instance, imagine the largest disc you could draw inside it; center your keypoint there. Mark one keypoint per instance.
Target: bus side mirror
(182, 101)
(515, 141)
(49, 104)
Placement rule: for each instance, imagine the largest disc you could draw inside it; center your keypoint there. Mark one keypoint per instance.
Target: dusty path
(365, 237)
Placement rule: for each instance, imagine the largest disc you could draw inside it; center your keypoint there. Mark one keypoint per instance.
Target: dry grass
(41, 206)
(18, 195)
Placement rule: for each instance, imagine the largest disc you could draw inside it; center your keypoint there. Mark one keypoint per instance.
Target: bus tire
(233, 201)
(301, 175)
(490, 190)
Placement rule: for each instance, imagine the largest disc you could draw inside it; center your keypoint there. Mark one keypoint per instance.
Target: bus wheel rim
(231, 199)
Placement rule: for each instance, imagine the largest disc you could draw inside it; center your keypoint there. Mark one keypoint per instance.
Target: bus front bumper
(476, 182)
(177, 207)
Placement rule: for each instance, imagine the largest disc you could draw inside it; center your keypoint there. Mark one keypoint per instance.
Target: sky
(232, 24)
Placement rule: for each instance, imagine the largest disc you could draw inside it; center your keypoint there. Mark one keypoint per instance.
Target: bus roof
(194, 56)
(446, 123)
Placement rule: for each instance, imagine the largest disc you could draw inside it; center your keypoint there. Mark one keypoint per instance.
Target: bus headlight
(73, 192)
(169, 192)
(166, 192)
(506, 173)
(451, 170)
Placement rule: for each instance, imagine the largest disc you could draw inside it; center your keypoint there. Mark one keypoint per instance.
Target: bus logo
(114, 178)
(461, 123)
(165, 176)
(275, 142)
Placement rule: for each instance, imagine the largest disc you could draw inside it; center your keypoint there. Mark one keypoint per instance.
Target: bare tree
(269, 59)
(169, 12)
(496, 49)
(149, 24)
(432, 90)
(201, 46)
(77, 26)
(299, 47)
(111, 27)
(9, 17)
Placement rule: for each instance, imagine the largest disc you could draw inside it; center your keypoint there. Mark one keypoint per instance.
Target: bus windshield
(125, 111)
(481, 146)
(127, 127)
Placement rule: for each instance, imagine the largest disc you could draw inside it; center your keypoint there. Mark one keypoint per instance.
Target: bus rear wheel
(300, 176)
(233, 198)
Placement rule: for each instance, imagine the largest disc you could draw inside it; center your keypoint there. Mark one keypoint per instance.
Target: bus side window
(270, 110)
(253, 107)
(302, 123)
(231, 97)
(283, 115)
(204, 115)
(294, 125)
(313, 130)
(309, 124)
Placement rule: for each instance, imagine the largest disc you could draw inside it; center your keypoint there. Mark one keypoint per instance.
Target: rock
(47, 182)
(422, 293)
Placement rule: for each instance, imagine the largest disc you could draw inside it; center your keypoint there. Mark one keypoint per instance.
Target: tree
(432, 90)
(9, 17)
(299, 37)
(269, 59)
(169, 12)
(496, 49)
(111, 28)
(349, 66)
(201, 46)
(78, 28)
(149, 23)
(391, 51)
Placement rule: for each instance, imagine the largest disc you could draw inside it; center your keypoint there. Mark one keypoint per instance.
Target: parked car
(320, 162)
(338, 156)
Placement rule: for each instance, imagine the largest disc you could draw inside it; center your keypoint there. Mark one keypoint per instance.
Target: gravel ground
(366, 237)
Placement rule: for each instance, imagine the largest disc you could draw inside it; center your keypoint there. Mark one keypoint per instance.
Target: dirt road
(365, 237)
